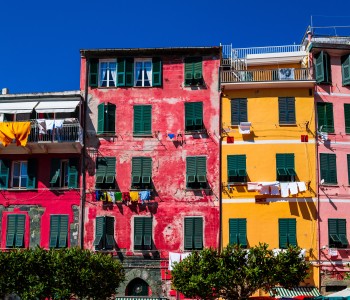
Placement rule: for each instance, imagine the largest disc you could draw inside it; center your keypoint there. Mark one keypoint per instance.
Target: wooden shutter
(138, 110)
(197, 68)
(347, 117)
(235, 112)
(289, 163)
(281, 164)
(283, 233)
(20, 228)
(136, 171)
(292, 232)
(156, 72)
(73, 173)
(198, 233)
(319, 67)
(63, 231)
(191, 169)
(286, 110)
(54, 230)
(348, 157)
(342, 231)
(101, 169)
(332, 168)
(110, 169)
(110, 126)
(189, 74)
(188, 243)
(243, 111)
(146, 119)
(345, 69)
(101, 118)
(99, 232)
(121, 72)
(147, 232)
(333, 232)
(109, 233)
(198, 113)
(189, 114)
(4, 173)
(146, 169)
(231, 166)
(236, 165)
(55, 170)
(238, 232)
(282, 109)
(329, 117)
(31, 172)
(129, 72)
(201, 168)
(138, 232)
(93, 73)
(11, 231)
(233, 231)
(321, 116)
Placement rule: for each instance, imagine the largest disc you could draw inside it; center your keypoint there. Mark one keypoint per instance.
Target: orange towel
(14, 130)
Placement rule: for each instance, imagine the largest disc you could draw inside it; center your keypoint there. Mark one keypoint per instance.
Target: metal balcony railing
(286, 74)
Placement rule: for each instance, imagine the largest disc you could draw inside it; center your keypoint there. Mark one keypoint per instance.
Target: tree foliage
(236, 273)
(59, 274)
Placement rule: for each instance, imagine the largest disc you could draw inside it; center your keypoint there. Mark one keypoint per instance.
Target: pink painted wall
(172, 202)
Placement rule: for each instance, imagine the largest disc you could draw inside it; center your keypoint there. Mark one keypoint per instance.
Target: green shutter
(146, 169)
(191, 169)
(147, 232)
(101, 118)
(243, 111)
(136, 169)
(189, 114)
(110, 169)
(348, 157)
(109, 232)
(321, 117)
(233, 231)
(286, 110)
(31, 172)
(110, 126)
(328, 168)
(101, 169)
(197, 69)
(347, 118)
(138, 110)
(99, 232)
(238, 232)
(236, 165)
(4, 174)
(138, 232)
(319, 68)
(54, 230)
(283, 233)
(189, 224)
(345, 69)
(73, 173)
(292, 232)
(147, 119)
(189, 74)
(329, 117)
(342, 232)
(198, 233)
(11, 231)
(239, 111)
(285, 164)
(129, 72)
(156, 72)
(333, 232)
(20, 228)
(121, 72)
(93, 73)
(63, 234)
(198, 113)
(201, 166)
(193, 114)
(55, 170)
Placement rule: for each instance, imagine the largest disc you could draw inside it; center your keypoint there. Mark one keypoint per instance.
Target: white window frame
(108, 61)
(20, 175)
(142, 60)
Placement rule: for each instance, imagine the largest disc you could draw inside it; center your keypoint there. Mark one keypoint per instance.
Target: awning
(56, 106)
(297, 291)
(17, 107)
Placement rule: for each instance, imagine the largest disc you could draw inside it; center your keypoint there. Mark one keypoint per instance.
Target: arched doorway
(137, 287)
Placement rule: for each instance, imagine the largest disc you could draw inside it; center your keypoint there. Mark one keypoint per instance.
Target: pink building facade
(152, 158)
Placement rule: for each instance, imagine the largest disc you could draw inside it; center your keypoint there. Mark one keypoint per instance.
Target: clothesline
(277, 188)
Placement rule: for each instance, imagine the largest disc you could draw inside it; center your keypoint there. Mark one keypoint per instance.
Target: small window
(142, 233)
(193, 71)
(323, 68)
(142, 120)
(347, 117)
(4, 173)
(287, 233)
(194, 116)
(141, 174)
(286, 110)
(239, 111)
(193, 233)
(106, 118)
(58, 231)
(104, 233)
(196, 172)
(19, 174)
(108, 73)
(105, 172)
(15, 231)
(337, 233)
(325, 117)
(285, 167)
(328, 167)
(143, 72)
(236, 168)
(345, 69)
(64, 173)
(238, 232)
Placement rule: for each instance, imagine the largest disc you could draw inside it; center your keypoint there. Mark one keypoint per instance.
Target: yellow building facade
(268, 151)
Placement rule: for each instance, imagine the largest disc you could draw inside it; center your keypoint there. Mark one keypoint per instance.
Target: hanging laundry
(41, 126)
(118, 196)
(104, 196)
(145, 195)
(265, 190)
(49, 124)
(332, 252)
(293, 188)
(275, 189)
(253, 186)
(111, 197)
(173, 257)
(58, 123)
(126, 196)
(171, 135)
(301, 186)
(134, 196)
(184, 255)
(18, 131)
(284, 189)
(97, 195)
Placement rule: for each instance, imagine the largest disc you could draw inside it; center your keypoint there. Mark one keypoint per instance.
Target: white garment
(302, 253)
(173, 257)
(184, 255)
(253, 186)
(276, 251)
(301, 186)
(275, 189)
(265, 190)
(284, 189)
(293, 188)
(59, 123)
(49, 124)
(41, 126)
(332, 252)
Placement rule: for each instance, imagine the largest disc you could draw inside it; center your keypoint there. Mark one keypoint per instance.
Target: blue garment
(97, 195)
(171, 135)
(145, 195)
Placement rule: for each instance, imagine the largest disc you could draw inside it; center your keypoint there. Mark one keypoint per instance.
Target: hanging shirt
(126, 196)
(145, 195)
(134, 196)
(118, 196)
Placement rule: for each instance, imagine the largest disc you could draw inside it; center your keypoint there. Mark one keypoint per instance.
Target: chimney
(5, 91)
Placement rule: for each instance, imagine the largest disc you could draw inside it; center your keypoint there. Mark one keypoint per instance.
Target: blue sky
(40, 40)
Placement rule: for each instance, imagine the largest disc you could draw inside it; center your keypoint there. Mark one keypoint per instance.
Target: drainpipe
(82, 168)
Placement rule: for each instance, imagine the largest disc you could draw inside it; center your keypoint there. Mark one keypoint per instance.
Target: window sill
(329, 185)
(195, 190)
(288, 124)
(106, 134)
(237, 183)
(142, 135)
(140, 189)
(200, 131)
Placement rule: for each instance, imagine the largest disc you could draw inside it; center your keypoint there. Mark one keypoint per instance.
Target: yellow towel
(14, 130)
(134, 196)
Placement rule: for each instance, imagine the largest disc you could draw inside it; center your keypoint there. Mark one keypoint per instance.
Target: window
(143, 72)
(108, 70)
(325, 117)
(142, 120)
(4, 174)
(104, 233)
(106, 118)
(196, 172)
(287, 233)
(193, 233)
(323, 68)
(285, 167)
(348, 157)
(286, 110)
(345, 69)
(193, 71)
(337, 233)
(142, 233)
(194, 116)
(238, 111)
(23, 174)
(236, 168)
(15, 231)
(328, 167)
(58, 231)
(64, 173)
(347, 117)
(105, 172)
(141, 174)
(238, 232)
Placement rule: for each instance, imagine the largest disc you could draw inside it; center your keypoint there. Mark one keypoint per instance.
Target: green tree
(236, 273)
